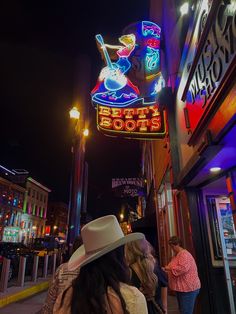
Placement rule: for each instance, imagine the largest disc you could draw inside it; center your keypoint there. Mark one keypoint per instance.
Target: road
(28, 306)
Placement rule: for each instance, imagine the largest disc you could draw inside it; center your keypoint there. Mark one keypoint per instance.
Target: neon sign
(127, 88)
(140, 122)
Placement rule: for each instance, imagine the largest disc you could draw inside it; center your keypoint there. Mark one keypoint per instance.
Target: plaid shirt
(62, 279)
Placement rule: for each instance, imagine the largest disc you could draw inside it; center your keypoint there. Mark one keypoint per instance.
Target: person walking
(142, 266)
(183, 276)
(102, 285)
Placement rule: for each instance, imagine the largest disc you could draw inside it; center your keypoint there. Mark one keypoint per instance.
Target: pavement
(31, 297)
(30, 305)
(15, 294)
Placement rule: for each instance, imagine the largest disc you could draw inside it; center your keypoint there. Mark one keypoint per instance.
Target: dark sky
(39, 44)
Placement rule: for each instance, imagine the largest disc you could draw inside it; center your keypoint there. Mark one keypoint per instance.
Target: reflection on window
(222, 205)
(228, 228)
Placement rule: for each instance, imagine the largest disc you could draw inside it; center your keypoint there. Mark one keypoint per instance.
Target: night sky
(39, 44)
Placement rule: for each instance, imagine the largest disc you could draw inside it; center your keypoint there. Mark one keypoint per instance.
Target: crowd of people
(113, 273)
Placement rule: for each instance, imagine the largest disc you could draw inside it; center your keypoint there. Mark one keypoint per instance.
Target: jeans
(186, 301)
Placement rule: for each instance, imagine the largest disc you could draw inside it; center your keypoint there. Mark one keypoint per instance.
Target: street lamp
(74, 113)
(77, 176)
(86, 132)
(184, 8)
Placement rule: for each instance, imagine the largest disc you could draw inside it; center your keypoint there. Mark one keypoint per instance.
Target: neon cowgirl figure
(142, 47)
(113, 87)
(145, 60)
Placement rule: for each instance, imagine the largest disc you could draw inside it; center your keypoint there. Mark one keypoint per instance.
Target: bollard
(35, 268)
(5, 274)
(21, 272)
(59, 257)
(45, 266)
(54, 262)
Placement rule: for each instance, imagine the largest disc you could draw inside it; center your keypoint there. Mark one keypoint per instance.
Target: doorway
(222, 233)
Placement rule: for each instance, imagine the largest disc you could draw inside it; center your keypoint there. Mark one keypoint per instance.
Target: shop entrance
(222, 233)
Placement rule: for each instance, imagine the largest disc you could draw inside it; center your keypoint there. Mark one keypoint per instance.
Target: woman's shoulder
(134, 299)
(129, 289)
(185, 253)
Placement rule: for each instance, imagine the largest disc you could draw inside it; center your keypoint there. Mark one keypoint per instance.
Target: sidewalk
(14, 294)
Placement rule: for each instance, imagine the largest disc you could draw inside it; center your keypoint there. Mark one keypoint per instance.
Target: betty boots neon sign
(127, 88)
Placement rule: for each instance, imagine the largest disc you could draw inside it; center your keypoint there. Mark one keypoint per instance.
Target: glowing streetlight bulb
(215, 169)
(121, 216)
(74, 113)
(54, 227)
(86, 132)
(184, 8)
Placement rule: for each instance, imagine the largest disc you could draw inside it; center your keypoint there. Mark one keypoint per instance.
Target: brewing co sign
(128, 187)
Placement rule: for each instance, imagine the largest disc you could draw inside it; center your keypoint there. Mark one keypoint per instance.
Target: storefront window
(221, 204)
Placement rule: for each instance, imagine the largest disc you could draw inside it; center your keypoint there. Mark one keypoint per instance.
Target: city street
(30, 306)
(118, 151)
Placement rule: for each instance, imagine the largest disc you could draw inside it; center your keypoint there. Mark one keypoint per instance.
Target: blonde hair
(138, 254)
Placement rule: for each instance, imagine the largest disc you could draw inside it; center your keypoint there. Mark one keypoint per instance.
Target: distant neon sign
(126, 91)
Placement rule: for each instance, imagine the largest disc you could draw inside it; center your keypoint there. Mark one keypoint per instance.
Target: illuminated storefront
(194, 169)
(205, 198)
(11, 205)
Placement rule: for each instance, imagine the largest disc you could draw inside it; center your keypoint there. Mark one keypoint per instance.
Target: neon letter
(116, 113)
(143, 125)
(129, 113)
(130, 125)
(142, 112)
(155, 124)
(155, 110)
(118, 124)
(106, 122)
(104, 111)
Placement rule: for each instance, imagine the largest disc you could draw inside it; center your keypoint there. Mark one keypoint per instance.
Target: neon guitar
(114, 79)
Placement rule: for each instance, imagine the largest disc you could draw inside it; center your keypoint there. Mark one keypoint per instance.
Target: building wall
(35, 210)
(204, 141)
(11, 204)
(196, 151)
(57, 218)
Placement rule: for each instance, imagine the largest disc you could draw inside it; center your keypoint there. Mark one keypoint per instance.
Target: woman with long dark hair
(102, 286)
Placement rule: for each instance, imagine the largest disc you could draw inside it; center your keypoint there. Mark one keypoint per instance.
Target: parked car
(47, 245)
(13, 251)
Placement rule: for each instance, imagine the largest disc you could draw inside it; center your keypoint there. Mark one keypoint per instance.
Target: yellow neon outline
(141, 133)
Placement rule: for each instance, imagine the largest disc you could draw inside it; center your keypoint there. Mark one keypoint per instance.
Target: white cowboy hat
(100, 236)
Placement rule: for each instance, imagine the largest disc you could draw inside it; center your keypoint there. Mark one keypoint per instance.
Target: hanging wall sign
(126, 93)
(212, 68)
(128, 187)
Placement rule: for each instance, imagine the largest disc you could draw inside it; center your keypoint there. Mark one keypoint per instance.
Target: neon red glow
(144, 121)
(47, 229)
(153, 43)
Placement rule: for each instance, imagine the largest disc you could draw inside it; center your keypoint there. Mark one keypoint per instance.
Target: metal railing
(39, 267)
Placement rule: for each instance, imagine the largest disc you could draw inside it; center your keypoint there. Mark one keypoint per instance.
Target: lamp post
(76, 180)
